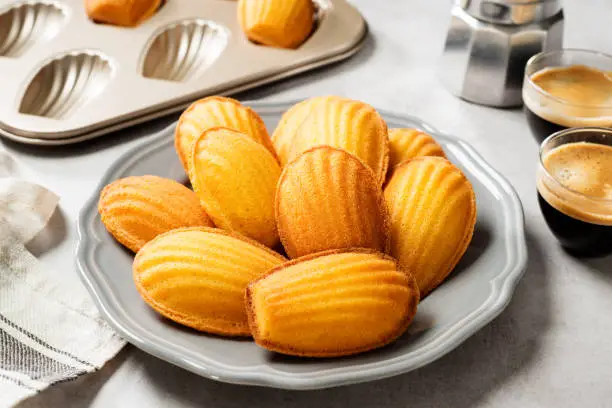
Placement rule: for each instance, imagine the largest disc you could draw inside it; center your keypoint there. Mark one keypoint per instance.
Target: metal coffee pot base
(488, 46)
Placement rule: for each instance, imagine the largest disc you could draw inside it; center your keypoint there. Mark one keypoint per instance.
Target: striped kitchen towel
(48, 332)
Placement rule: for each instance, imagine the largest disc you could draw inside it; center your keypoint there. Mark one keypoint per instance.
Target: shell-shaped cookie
(406, 144)
(289, 124)
(235, 178)
(137, 209)
(433, 212)
(217, 111)
(277, 23)
(197, 277)
(350, 125)
(333, 303)
(329, 199)
(121, 12)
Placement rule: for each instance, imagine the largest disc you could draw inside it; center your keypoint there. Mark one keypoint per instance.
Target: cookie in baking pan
(136, 209)
(277, 23)
(330, 304)
(350, 125)
(433, 213)
(121, 12)
(235, 178)
(406, 144)
(197, 277)
(329, 199)
(216, 111)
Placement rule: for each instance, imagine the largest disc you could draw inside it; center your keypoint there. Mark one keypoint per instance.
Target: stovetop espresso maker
(489, 43)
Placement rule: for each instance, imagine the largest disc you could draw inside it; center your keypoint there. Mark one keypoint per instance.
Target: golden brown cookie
(350, 125)
(217, 111)
(330, 304)
(235, 178)
(127, 13)
(290, 123)
(136, 209)
(277, 23)
(197, 277)
(329, 199)
(433, 212)
(406, 144)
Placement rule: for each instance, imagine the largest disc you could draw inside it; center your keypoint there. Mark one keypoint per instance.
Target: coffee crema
(572, 96)
(578, 181)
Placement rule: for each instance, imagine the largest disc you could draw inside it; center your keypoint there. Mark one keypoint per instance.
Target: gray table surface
(550, 348)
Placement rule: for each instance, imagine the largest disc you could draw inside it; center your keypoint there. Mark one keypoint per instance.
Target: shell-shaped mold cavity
(184, 50)
(65, 84)
(27, 23)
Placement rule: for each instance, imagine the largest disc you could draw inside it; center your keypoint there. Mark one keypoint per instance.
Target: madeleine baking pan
(67, 79)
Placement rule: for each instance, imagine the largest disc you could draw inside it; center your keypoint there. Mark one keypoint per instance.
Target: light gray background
(552, 347)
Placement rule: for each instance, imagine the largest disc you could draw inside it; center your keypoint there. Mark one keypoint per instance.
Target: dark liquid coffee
(575, 196)
(578, 237)
(562, 97)
(541, 128)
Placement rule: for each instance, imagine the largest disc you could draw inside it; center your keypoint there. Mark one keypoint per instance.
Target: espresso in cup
(566, 89)
(575, 189)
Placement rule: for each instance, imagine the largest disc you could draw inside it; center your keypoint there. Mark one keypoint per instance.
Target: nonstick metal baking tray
(65, 79)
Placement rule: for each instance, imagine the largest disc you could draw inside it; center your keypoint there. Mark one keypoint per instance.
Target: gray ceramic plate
(477, 291)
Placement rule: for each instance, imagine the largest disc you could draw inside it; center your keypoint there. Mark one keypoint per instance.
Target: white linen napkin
(48, 333)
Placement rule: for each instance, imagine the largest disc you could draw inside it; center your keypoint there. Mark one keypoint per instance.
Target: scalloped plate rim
(502, 287)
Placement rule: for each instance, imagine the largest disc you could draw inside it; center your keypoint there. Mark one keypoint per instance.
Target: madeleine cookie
(290, 123)
(433, 213)
(235, 178)
(277, 23)
(137, 209)
(197, 277)
(121, 12)
(217, 111)
(406, 144)
(329, 199)
(330, 304)
(350, 125)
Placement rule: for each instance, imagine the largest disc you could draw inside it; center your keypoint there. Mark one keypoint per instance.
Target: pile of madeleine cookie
(319, 241)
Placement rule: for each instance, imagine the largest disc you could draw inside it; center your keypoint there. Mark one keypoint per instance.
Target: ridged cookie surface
(121, 12)
(197, 277)
(235, 178)
(406, 144)
(137, 209)
(217, 111)
(277, 23)
(350, 125)
(289, 124)
(329, 199)
(433, 213)
(332, 304)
